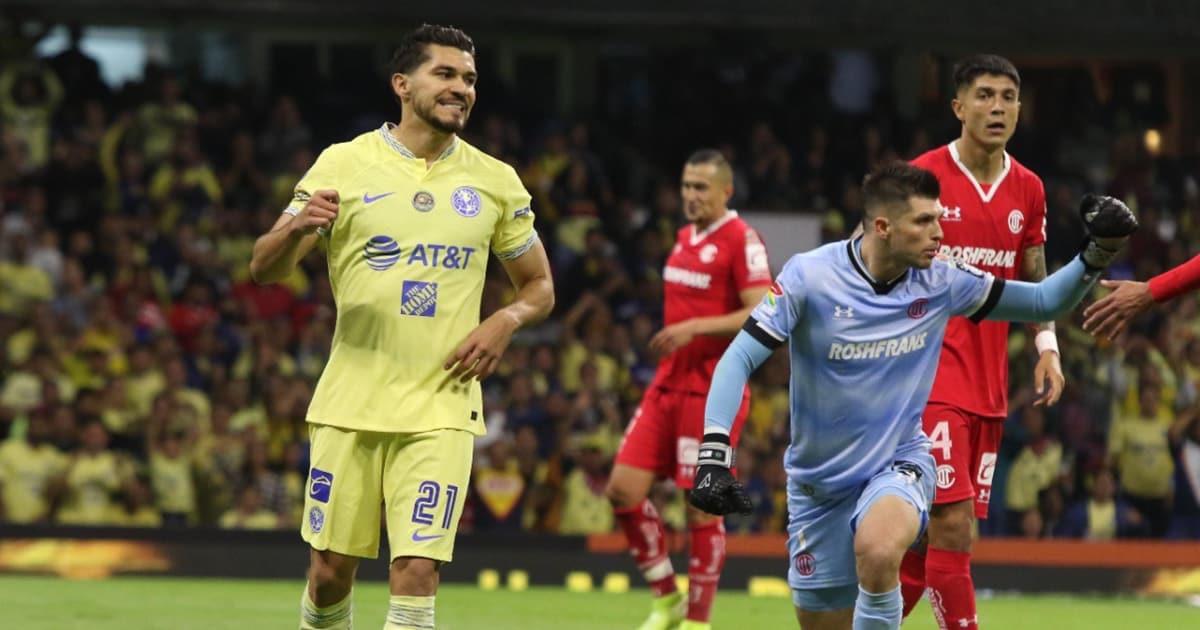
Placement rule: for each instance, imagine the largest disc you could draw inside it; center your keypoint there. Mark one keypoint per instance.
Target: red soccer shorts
(665, 433)
(964, 447)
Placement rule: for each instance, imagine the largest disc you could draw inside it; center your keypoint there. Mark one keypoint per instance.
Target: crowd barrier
(756, 563)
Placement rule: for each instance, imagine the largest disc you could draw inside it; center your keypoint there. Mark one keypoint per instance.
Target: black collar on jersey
(881, 288)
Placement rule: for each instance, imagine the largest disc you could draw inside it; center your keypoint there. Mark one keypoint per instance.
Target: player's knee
(327, 572)
(415, 576)
(619, 494)
(952, 527)
(877, 558)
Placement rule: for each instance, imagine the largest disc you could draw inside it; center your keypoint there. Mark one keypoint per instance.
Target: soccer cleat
(666, 612)
(688, 624)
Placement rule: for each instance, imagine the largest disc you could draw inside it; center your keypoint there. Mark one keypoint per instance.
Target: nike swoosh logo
(417, 537)
(367, 198)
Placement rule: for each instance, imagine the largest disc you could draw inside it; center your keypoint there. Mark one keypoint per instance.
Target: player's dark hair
(892, 183)
(708, 156)
(970, 68)
(714, 157)
(414, 48)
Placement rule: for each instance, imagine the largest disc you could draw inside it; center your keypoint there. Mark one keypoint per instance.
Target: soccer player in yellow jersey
(406, 215)
(28, 469)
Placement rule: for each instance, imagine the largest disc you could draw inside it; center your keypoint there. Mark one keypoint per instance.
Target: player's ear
(957, 107)
(883, 227)
(400, 86)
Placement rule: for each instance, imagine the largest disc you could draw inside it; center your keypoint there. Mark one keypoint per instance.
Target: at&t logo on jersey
(708, 253)
(418, 299)
(381, 252)
(884, 348)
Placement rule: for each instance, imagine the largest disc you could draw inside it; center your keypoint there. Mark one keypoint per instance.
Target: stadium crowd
(146, 380)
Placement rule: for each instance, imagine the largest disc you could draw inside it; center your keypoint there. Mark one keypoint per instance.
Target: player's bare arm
(676, 336)
(1048, 378)
(292, 237)
(479, 354)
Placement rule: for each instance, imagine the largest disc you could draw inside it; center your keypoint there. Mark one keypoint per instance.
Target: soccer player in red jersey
(716, 273)
(1110, 315)
(993, 217)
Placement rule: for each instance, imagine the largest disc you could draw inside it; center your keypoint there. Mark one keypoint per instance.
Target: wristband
(1046, 340)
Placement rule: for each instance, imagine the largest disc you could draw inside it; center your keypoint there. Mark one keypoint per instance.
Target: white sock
(333, 617)
(409, 612)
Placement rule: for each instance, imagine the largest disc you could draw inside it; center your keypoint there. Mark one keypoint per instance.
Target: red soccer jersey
(989, 227)
(704, 276)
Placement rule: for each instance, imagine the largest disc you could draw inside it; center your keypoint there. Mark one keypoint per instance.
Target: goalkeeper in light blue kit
(863, 320)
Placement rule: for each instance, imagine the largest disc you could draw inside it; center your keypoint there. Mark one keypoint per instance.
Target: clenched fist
(318, 214)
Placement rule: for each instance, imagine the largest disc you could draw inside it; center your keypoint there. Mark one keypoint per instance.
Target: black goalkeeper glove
(714, 489)
(1109, 224)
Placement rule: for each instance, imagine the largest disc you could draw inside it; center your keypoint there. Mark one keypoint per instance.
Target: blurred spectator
(160, 123)
(585, 508)
(498, 489)
(284, 135)
(1185, 445)
(29, 95)
(169, 453)
(1034, 470)
(29, 465)
(136, 508)
(93, 477)
(249, 512)
(77, 70)
(21, 282)
(185, 187)
(1139, 449)
(1101, 516)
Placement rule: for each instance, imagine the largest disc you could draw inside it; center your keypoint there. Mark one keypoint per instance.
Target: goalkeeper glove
(1109, 224)
(714, 488)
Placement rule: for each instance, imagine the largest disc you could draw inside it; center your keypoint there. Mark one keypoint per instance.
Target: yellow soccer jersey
(407, 257)
(25, 474)
(91, 482)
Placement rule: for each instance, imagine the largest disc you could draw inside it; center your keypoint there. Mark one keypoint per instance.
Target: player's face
(705, 193)
(988, 109)
(440, 91)
(916, 235)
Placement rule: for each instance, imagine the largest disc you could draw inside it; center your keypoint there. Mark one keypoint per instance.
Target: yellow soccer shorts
(419, 479)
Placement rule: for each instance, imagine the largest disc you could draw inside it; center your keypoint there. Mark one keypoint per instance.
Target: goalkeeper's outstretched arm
(714, 489)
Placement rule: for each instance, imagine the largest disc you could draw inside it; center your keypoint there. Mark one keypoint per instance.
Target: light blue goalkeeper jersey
(863, 357)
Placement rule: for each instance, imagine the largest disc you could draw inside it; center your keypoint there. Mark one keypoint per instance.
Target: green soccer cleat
(666, 612)
(688, 624)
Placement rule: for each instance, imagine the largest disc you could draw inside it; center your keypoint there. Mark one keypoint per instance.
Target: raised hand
(318, 214)
(1109, 224)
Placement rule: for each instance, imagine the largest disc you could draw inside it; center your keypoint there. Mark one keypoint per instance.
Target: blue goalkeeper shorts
(821, 529)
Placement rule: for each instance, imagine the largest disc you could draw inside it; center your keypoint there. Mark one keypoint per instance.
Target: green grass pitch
(37, 603)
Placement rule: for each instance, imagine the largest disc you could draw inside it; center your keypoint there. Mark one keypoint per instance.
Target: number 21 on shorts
(429, 494)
